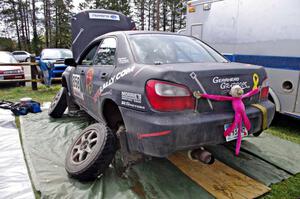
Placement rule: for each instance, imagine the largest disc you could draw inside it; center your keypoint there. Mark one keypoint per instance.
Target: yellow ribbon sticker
(255, 81)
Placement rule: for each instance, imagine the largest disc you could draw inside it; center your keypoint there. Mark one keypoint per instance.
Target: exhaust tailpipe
(201, 155)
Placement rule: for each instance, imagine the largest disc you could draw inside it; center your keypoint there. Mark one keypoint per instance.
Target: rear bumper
(160, 134)
(12, 76)
(58, 70)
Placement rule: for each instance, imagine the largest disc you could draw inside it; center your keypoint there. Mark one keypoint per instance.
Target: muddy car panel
(158, 133)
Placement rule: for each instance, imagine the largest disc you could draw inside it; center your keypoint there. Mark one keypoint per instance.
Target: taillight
(165, 96)
(1, 71)
(264, 91)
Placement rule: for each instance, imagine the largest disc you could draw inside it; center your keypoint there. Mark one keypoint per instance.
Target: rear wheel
(91, 153)
(58, 104)
(257, 133)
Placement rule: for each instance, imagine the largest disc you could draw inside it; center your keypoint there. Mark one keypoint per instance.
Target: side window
(88, 58)
(106, 52)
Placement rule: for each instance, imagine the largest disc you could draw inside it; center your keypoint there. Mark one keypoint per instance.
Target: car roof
(56, 49)
(23, 51)
(134, 32)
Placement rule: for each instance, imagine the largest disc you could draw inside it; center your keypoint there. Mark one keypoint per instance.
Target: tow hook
(201, 155)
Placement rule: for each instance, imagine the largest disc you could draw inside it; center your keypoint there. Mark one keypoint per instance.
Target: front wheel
(58, 104)
(91, 153)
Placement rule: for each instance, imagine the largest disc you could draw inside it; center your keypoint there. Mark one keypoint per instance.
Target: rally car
(138, 86)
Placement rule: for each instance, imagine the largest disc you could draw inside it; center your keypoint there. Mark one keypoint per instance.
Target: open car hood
(89, 24)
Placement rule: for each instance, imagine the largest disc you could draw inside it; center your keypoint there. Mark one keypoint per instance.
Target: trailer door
(197, 30)
(297, 108)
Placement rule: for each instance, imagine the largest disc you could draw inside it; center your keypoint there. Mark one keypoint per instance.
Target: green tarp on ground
(267, 159)
(281, 153)
(250, 165)
(45, 142)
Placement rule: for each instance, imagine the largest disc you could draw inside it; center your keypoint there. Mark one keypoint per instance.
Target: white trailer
(262, 32)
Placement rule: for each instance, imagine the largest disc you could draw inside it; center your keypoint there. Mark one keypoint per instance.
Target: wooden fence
(34, 77)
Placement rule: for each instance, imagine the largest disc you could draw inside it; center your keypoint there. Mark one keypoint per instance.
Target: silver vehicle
(256, 32)
(10, 73)
(21, 56)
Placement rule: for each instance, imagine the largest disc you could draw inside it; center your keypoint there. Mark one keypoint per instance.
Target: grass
(43, 94)
(287, 189)
(284, 127)
(289, 129)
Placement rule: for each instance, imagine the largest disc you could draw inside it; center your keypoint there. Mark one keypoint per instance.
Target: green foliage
(117, 5)
(63, 14)
(6, 44)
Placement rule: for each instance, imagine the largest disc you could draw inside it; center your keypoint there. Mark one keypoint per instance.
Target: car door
(79, 75)
(98, 76)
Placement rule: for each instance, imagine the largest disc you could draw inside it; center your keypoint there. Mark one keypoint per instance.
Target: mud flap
(264, 113)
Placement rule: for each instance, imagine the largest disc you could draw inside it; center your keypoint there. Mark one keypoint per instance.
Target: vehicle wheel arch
(273, 98)
(111, 114)
(64, 82)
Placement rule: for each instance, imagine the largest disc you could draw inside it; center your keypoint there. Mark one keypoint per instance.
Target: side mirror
(70, 62)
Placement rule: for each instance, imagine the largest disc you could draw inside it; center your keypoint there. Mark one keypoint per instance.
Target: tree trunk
(157, 14)
(16, 23)
(164, 15)
(49, 23)
(28, 27)
(149, 14)
(22, 23)
(173, 18)
(143, 14)
(153, 15)
(46, 23)
(35, 35)
(56, 24)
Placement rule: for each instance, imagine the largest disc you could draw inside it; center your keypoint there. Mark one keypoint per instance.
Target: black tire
(98, 157)
(257, 133)
(58, 104)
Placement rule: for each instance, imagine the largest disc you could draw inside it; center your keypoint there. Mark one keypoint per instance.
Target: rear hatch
(217, 79)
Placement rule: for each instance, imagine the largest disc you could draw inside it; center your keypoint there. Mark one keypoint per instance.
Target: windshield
(7, 58)
(56, 54)
(167, 49)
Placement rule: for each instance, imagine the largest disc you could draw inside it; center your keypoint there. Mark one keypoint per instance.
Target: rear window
(19, 53)
(53, 54)
(167, 49)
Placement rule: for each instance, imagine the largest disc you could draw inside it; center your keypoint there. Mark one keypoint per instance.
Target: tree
(117, 5)
(6, 44)
(35, 40)
(62, 18)
(87, 4)
(140, 8)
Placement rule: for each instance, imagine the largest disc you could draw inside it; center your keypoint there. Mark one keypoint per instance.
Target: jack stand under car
(148, 90)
